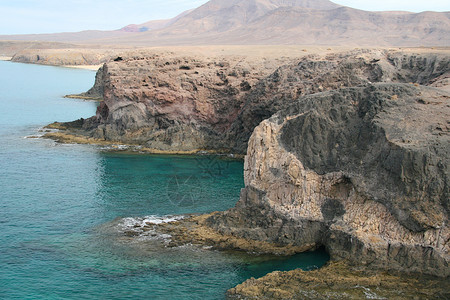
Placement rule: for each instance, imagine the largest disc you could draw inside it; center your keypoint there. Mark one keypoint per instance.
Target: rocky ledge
(193, 230)
(339, 281)
(173, 102)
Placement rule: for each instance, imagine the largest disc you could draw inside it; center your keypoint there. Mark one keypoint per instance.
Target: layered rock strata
(362, 171)
(171, 102)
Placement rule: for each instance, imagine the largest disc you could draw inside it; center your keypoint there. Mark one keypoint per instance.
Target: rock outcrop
(170, 102)
(362, 171)
(185, 103)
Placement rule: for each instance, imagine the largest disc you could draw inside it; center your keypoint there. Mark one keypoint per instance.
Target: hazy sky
(46, 16)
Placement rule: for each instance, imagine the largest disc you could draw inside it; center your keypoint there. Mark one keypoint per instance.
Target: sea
(63, 207)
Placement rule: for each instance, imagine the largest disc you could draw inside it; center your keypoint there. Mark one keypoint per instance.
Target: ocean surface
(60, 205)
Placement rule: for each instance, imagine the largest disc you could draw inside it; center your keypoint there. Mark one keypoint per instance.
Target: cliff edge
(185, 103)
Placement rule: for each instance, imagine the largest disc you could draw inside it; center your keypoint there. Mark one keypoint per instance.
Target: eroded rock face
(173, 102)
(363, 171)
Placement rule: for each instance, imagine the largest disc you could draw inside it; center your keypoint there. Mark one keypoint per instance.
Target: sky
(49, 16)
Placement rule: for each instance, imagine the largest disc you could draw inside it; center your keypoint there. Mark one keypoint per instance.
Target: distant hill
(309, 22)
(153, 25)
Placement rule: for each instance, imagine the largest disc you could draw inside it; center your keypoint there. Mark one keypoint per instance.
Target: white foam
(145, 228)
(138, 224)
(35, 136)
(160, 220)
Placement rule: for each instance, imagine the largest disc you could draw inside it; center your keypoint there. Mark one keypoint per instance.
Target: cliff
(362, 171)
(173, 102)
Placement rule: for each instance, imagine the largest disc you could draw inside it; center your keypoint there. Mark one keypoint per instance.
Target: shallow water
(56, 199)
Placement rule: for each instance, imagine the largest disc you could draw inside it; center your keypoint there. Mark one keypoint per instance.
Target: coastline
(343, 134)
(194, 229)
(72, 135)
(338, 279)
(83, 67)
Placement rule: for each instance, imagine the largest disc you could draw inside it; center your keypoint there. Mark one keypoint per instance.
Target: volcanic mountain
(308, 22)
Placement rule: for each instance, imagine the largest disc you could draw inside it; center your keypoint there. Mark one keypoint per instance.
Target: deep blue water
(55, 200)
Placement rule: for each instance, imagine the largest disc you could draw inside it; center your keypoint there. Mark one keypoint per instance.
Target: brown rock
(338, 280)
(182, 103)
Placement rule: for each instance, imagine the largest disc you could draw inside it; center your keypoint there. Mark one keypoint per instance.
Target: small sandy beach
(85, 67)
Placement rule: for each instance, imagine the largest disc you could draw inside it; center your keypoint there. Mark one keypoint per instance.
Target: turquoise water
(56, 199)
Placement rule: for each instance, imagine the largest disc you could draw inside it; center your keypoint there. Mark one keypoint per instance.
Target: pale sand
(5, 57)
(85, 67)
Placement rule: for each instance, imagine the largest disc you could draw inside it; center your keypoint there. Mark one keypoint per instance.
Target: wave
(144, 227)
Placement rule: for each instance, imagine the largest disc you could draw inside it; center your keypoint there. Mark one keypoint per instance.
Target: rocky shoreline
(194, 230)
(339, 280)
(336, 280)
(349, 151)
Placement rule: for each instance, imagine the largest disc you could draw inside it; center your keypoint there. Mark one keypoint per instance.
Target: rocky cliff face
(362, 171)
(183, 103)
(170, 102)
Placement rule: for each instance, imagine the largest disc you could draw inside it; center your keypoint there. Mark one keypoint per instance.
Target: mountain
(319, 22)
(347, 26)
(218, 16)
(153, 25)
